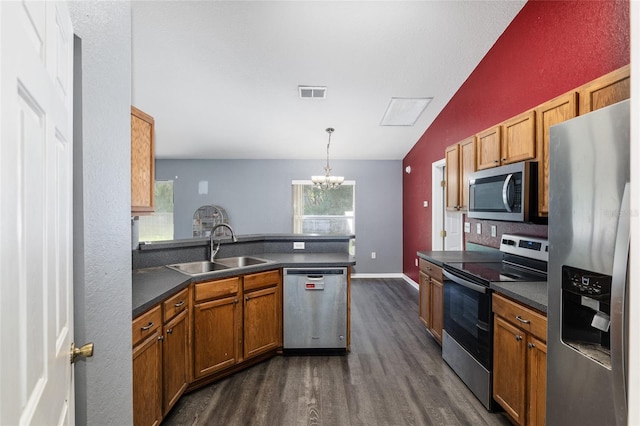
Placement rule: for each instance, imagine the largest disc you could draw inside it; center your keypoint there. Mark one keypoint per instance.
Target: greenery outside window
(323, 211)
(159, 226)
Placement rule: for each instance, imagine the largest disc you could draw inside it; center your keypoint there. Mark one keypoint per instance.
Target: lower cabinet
(519, 361)
(176, 350)
(262, 313)
(431, 303)
(147, 368)
(216, 322)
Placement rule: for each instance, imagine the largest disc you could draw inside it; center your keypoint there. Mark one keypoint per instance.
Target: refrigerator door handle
(618, 311)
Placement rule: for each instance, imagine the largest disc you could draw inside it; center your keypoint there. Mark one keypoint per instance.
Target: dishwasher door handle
(315, 277)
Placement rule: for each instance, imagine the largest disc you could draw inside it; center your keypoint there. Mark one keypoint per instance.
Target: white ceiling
(221, 77)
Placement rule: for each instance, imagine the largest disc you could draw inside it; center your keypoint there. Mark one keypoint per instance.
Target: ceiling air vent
(312, 92)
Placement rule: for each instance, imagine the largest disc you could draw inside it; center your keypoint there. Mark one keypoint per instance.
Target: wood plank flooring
(394, 375)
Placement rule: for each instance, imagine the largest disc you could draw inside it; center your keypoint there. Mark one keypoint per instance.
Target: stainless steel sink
(198, 268)
(205, 267)
(241, 261)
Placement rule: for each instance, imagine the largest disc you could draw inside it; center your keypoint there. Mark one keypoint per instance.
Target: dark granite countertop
(533, 294)
(440, 257)
(151, 286)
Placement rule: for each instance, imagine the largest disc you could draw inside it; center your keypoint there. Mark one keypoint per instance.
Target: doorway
(441, 219)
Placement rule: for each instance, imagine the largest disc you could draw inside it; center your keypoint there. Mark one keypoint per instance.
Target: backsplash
(485, 238)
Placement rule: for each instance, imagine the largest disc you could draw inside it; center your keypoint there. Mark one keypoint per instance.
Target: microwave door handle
(618, 310)
(505, 192)
(465, 283)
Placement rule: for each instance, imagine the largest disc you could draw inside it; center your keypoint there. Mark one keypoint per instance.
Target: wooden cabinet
(431, 298)
(512, 141)
(555, 111)
(519, 138)
(489, 146)
(142, 163)
(262, 313)
(452, 167)
(519, 361)
(176, 350)
(147, 368)
(217, 322)
(606, 90)
(460, 163)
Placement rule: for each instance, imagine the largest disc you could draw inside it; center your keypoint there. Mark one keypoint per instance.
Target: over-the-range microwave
(504, 193)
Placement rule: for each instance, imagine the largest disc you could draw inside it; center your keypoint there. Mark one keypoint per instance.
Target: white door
(36, 159)
(453, 228)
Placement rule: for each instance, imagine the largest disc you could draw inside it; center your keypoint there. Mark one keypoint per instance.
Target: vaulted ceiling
(221, 77)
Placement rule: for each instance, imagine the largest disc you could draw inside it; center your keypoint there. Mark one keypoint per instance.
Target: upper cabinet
(509, 142)
(489, 142)
(142, 163)
(460, 162)
(550, 113)
(606, 90)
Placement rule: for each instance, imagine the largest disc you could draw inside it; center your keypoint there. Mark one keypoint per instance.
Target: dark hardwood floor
(394, 375)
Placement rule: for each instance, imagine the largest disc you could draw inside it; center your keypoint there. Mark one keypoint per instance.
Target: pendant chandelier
(327, 181)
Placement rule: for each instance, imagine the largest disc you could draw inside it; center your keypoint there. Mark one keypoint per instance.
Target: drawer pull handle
(147, 327)
(518, 337)
(180, 303)
(522, 320)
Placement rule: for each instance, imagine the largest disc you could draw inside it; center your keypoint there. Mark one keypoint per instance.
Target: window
(323, 211)
(159, 226)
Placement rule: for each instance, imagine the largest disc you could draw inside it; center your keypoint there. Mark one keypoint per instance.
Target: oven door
(467, 316)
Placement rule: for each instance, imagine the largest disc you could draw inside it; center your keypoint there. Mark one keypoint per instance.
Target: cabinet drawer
(216, 289)
(434, 271)
(521, 316)
(176, 304)
(146, 324)
(261, 280)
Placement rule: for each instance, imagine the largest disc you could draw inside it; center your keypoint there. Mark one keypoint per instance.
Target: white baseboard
(388, 275)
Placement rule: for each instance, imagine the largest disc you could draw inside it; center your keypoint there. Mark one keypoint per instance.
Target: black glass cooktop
(487, 273)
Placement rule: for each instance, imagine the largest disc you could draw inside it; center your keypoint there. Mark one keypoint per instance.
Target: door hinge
(443, 183)
(443, 233)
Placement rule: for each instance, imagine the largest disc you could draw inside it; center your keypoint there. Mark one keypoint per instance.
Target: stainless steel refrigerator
(588, 268)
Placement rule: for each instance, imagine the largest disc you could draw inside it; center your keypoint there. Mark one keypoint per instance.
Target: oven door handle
(472, 286)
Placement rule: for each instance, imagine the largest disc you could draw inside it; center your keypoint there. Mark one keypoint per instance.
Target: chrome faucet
(233, 238)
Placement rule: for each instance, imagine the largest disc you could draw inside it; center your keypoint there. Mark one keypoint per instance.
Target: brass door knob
(85, 351)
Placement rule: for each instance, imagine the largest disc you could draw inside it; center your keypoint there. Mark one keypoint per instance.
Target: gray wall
(102, 235)
(257, 196)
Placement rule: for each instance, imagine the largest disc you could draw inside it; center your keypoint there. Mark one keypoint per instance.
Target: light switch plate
(479, 228)
(467, 227)
(494, 231)
(298, 245)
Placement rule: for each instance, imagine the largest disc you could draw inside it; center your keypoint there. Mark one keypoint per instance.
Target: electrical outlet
(298, 245)
(467, 227)
(373, 254)
(493, 231)
(479, 228)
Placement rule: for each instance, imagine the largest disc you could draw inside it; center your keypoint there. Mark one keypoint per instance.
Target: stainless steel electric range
(467, 339)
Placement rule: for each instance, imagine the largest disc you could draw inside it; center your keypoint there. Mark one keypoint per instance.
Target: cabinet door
(262, 321)
(176, 359)
(215, 335)
(509, 363)
(424, 308)
(548, 114)
(467, 166)
(519, 138)
(142, 162)
(606, 90)
(437, 306)
(488, 149)
(452, 165)
(147, 381)
(536, 382)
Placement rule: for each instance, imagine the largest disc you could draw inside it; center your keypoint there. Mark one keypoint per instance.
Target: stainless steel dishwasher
(315, 308)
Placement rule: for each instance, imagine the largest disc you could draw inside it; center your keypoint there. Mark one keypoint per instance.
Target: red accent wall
(549, 48)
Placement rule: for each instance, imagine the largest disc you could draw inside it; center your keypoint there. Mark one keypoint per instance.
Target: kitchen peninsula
(190, 330)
